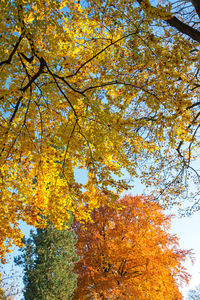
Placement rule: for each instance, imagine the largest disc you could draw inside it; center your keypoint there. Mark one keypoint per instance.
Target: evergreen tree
(48, 259)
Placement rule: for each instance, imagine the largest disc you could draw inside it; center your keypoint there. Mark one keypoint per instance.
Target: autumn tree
(98, 85)
(129, 253)
(48, 259)
(169, 103)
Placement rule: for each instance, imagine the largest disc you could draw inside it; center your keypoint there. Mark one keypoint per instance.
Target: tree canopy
(101, 85)
(129, 253)
(48, 260)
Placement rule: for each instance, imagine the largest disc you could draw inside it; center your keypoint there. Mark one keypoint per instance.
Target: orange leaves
(129, 253)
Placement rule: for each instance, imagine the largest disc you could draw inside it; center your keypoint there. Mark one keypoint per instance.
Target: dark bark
(174, 22)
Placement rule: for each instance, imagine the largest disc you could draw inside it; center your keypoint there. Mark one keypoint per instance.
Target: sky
(187, 229)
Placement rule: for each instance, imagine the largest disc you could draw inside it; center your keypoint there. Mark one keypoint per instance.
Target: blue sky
(187, 229)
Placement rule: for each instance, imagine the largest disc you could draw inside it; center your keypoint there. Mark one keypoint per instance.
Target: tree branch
(8, 61)
(184, 28)
(172, 20)
(39, 72)
(196, 5)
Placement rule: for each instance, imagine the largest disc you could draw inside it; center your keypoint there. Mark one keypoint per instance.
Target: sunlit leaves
(129, 253)
(100, 86)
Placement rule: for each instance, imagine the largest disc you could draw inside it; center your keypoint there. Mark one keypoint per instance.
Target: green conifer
(48, 259)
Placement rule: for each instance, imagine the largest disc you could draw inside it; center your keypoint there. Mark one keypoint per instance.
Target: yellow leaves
(10, 233)
(84, 88)
(156, 12)
(181, 129)
(30, 18)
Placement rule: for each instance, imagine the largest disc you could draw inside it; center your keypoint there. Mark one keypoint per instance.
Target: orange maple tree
(129, 253)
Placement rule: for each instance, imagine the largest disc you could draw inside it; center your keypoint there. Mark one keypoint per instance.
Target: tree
(194, 294)
(48, 260)
(170, 118)
(98, 85)
(184, 17)
(129, 253)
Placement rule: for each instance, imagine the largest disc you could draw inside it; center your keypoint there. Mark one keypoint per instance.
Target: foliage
(129, 253)
(2, 294)
(48, 260)
(194, 294)
(100, 85)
